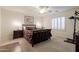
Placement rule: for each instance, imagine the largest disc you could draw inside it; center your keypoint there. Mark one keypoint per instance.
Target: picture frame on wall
(28, 20)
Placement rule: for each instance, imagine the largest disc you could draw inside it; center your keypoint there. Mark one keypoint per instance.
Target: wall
(38, 21)
(9, 18)
(0, 23)
(68, 32)
(47, 22)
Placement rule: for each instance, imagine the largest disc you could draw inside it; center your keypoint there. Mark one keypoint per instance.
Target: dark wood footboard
(37, 36)
(40, 36)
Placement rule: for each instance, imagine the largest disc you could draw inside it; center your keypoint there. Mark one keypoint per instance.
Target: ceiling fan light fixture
(42, 11)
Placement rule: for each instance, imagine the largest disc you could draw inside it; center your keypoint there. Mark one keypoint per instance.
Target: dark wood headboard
(25, 27)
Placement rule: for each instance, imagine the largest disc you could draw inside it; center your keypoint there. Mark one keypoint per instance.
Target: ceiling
(36, 9)
(56, 9)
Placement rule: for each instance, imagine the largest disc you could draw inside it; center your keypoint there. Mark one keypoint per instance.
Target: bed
(34, 35)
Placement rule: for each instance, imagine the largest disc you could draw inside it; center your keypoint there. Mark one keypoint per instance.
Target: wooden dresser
(17, 34)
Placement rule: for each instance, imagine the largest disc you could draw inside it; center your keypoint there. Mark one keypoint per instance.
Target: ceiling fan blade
(72, 17)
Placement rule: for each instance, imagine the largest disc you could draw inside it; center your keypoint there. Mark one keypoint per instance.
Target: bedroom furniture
(77, 43)
(75, 18)
(34, 36)
(40, 36)
(17, 34)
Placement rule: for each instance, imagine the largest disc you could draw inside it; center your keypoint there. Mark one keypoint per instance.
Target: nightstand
(17, 34)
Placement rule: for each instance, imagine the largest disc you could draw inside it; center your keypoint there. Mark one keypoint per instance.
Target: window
(58, 23)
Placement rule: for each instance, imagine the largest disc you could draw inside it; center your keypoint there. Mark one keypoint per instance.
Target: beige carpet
(53, 45)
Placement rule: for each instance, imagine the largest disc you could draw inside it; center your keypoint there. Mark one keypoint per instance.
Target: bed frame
(34, 36)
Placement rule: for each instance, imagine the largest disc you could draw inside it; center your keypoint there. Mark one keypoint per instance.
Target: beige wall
(47, 22)
(0, 23)
(8, 19)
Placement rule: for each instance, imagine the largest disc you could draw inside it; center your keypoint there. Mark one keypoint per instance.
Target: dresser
(17, 34)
